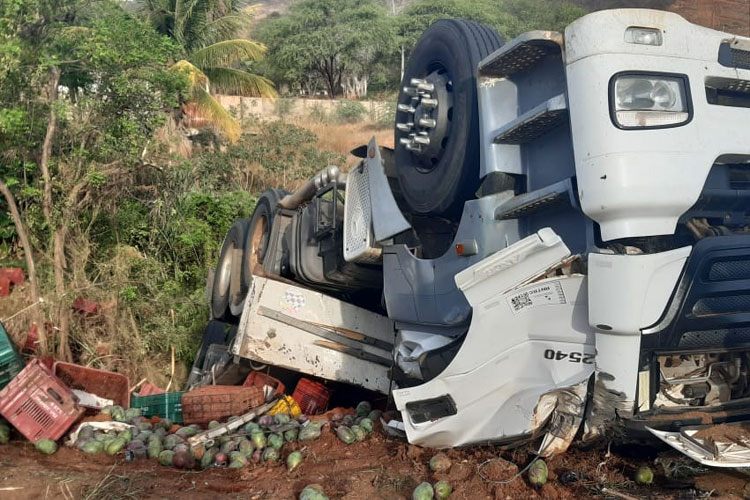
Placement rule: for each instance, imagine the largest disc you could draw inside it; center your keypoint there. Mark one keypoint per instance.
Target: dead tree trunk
(49, 137)
(58, 227)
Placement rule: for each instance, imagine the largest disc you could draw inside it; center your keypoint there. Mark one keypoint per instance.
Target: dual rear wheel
(241, 257)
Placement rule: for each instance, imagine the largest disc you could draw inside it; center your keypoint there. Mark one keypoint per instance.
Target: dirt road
(379, 467)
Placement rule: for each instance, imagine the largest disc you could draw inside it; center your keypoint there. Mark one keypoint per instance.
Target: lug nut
(420, 139)
(405, 127)
(406, 108)
(425, 87)
(427, 122)
(417, 81)
(429, 103)
(410, 91)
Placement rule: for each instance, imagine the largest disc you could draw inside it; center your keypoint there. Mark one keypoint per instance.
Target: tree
(341, 42)
(509, 17)
(207, 30)
(84, 88)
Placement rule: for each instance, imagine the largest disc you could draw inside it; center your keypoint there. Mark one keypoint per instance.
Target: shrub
(349, 112)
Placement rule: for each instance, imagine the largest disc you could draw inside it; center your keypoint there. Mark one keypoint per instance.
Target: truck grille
(730, 270)
(711, 304)
(740, 58)
(724, 337)
(739, 178)
(732, 56)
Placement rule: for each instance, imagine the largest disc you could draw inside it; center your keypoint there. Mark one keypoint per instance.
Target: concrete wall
(292, 107)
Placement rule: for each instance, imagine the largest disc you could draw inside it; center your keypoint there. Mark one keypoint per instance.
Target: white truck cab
(558, 246)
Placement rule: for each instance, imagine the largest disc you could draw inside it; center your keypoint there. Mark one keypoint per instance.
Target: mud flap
(719, 452)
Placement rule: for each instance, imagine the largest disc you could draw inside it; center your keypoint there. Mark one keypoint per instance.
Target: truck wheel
(229, 266)
(257, 238)
(437, 122)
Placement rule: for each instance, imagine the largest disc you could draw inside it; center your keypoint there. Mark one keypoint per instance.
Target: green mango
(115, 446)
(46, 446)
(309, 433)
(166, 457)
(345, 434)
(93, 447)
(423, 492)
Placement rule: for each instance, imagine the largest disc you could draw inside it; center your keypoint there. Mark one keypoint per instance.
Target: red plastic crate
(39, 404)
(312, 397)
(217, 402)
(14, 274)
(103, 383)
(258, 379)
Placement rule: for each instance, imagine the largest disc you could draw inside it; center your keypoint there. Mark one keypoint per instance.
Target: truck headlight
(641, 100)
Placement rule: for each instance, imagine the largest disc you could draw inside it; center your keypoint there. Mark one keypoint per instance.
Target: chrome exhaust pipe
(306, 192)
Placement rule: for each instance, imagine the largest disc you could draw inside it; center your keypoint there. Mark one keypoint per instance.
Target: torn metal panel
(607, 407)
(562, 412)
(715, 454)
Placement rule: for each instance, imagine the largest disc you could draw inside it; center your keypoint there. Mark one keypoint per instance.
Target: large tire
(438, 180)
(228, 266)
(257, 237)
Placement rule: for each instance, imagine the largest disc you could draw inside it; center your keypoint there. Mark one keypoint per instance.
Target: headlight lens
(643, 36)
(643, 101)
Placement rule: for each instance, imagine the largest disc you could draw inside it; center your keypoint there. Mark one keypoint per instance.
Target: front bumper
(709, 312)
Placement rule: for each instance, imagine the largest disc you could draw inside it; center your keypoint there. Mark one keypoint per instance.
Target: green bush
(349, 112)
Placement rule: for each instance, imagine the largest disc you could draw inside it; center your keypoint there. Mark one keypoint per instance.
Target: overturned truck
(558, 246)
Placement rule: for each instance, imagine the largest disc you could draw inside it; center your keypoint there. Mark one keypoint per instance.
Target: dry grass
(16, 320)
(343, 137)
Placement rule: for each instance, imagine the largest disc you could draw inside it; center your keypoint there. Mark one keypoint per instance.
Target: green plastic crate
(11, 361)
(167, 405)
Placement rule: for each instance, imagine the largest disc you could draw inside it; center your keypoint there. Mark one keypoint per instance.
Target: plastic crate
(11, 361)
(258, 379)
(312, 397)
(216, 402)
(167, 405)
(39, 404)
(102, 383)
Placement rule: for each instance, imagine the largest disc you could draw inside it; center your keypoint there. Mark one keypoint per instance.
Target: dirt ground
(379, 467)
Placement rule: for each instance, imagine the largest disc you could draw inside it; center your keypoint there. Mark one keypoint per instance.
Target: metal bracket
(387, 219)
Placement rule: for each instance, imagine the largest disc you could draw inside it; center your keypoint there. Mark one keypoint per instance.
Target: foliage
(349, 111)
(509, 17)
(207, 31)
(280, 154)
(83, 96)
(329, 40)
(349, 44)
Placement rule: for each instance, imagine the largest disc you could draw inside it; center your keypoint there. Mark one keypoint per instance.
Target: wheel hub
(428, 111)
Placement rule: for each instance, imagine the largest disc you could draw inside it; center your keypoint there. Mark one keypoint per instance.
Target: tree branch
(49, 137)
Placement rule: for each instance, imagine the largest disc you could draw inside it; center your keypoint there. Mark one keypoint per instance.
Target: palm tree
(208, 31)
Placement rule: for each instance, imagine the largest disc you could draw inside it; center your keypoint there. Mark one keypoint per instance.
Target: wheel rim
(429, 112)
(259, 242)
(225, 272)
